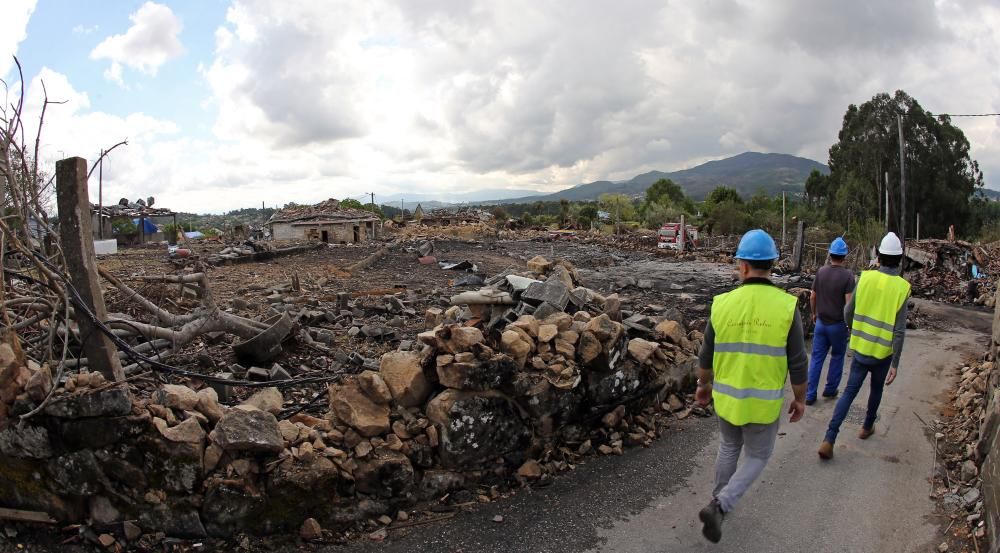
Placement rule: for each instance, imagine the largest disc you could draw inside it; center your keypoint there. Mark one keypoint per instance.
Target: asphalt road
(873, 497)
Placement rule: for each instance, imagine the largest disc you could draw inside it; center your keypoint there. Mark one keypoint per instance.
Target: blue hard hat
(838, 246)
(757, 245)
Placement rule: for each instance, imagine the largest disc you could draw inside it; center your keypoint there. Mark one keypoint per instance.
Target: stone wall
(476, 400)
(340, 232)
(988, 449)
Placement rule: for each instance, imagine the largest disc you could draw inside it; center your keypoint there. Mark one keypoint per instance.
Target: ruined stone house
(325, 222)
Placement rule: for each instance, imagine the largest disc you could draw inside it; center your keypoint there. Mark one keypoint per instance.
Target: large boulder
(475, 374)
(550, 407)
(110, 402)
(641, 350)
(268, 400)
(476, 426)
(27, 442)
(384, 473)
(539, 265)
(462, 338)
(590, 347)
(374, 387)
(611, 387)
(513, 343)
(250, 430)
(352, 406)
(176, 397)
(671, 331)
(403, 373)
(606, 330)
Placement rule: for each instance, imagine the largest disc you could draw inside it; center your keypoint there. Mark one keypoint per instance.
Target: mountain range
(748, 173)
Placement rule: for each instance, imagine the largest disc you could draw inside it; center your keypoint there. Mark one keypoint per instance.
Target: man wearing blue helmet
(831, 291)
(753, 343)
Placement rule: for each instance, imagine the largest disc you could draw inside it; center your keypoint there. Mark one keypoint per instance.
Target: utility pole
(373, 200)
(887, 202)
(902, 182)
(782, 220)
(100, 198)
(878, 190)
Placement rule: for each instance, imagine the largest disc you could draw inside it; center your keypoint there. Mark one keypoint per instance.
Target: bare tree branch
(104, 155)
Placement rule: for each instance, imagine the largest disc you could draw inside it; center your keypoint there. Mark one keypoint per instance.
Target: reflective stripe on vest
(876, 301)
(750, 361)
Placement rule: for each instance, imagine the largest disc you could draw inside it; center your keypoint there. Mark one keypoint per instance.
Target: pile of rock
(25, 385)
(964, 442)
(488, 394)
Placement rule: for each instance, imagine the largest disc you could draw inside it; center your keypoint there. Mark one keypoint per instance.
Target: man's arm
(849, 309)
(849, 290)
(798, 367)
(812, 304)
(899, 333)
(798, 361)
(705, 374)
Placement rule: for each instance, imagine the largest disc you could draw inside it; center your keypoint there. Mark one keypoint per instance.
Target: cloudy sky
(227, 104)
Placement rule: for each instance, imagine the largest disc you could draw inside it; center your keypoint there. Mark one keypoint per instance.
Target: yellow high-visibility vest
(750, 362)
(876, 301)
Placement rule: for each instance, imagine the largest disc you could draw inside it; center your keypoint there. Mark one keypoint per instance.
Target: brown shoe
(825, 451)
(866, 433)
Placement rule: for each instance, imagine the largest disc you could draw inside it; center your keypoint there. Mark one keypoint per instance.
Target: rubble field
(408, 380)
(395, 383)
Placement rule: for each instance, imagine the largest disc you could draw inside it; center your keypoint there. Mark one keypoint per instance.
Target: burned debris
(512, 380)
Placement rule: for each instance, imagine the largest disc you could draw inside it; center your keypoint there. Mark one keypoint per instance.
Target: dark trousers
(859, 372)
(830, 337)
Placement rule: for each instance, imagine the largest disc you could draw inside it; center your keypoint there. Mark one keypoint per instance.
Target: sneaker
(830, 395)
(825, 451)
(810, 401)
(711, 517)
(866, 433)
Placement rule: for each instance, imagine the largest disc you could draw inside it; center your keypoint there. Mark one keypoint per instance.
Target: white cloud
(13, 29)
(548, 95)
(332, 100)
(151, 41)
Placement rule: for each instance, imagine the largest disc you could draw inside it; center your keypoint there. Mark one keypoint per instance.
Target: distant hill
(991, 194)
(747, 173)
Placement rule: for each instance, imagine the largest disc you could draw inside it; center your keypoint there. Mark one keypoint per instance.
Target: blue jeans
(858, 373)
(827, 337)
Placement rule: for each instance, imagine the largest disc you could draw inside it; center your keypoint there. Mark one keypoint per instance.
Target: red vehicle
(668, 236)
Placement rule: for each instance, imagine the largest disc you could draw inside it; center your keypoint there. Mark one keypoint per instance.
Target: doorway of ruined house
(357, 234)
(326, 236)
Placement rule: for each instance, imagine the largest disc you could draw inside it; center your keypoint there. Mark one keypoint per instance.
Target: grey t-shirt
(832, 283)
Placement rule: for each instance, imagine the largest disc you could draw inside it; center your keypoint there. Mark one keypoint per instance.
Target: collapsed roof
(325, 211)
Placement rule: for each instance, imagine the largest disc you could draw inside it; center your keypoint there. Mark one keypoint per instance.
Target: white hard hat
(891, 245)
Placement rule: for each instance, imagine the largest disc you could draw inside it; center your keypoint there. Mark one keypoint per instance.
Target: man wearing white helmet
(876, 315)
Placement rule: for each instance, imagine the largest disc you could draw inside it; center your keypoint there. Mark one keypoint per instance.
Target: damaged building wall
(486, 394)
(349, 231)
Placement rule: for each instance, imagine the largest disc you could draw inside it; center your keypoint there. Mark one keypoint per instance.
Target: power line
(967, 115)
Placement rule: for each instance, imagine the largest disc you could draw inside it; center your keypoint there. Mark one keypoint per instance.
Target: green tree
(585, 214)
(817, 188)
(619, 207)
(941, 176)
(728, 217)
(664, 192)
(723, 194)
(656, 214)
(563, 212)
